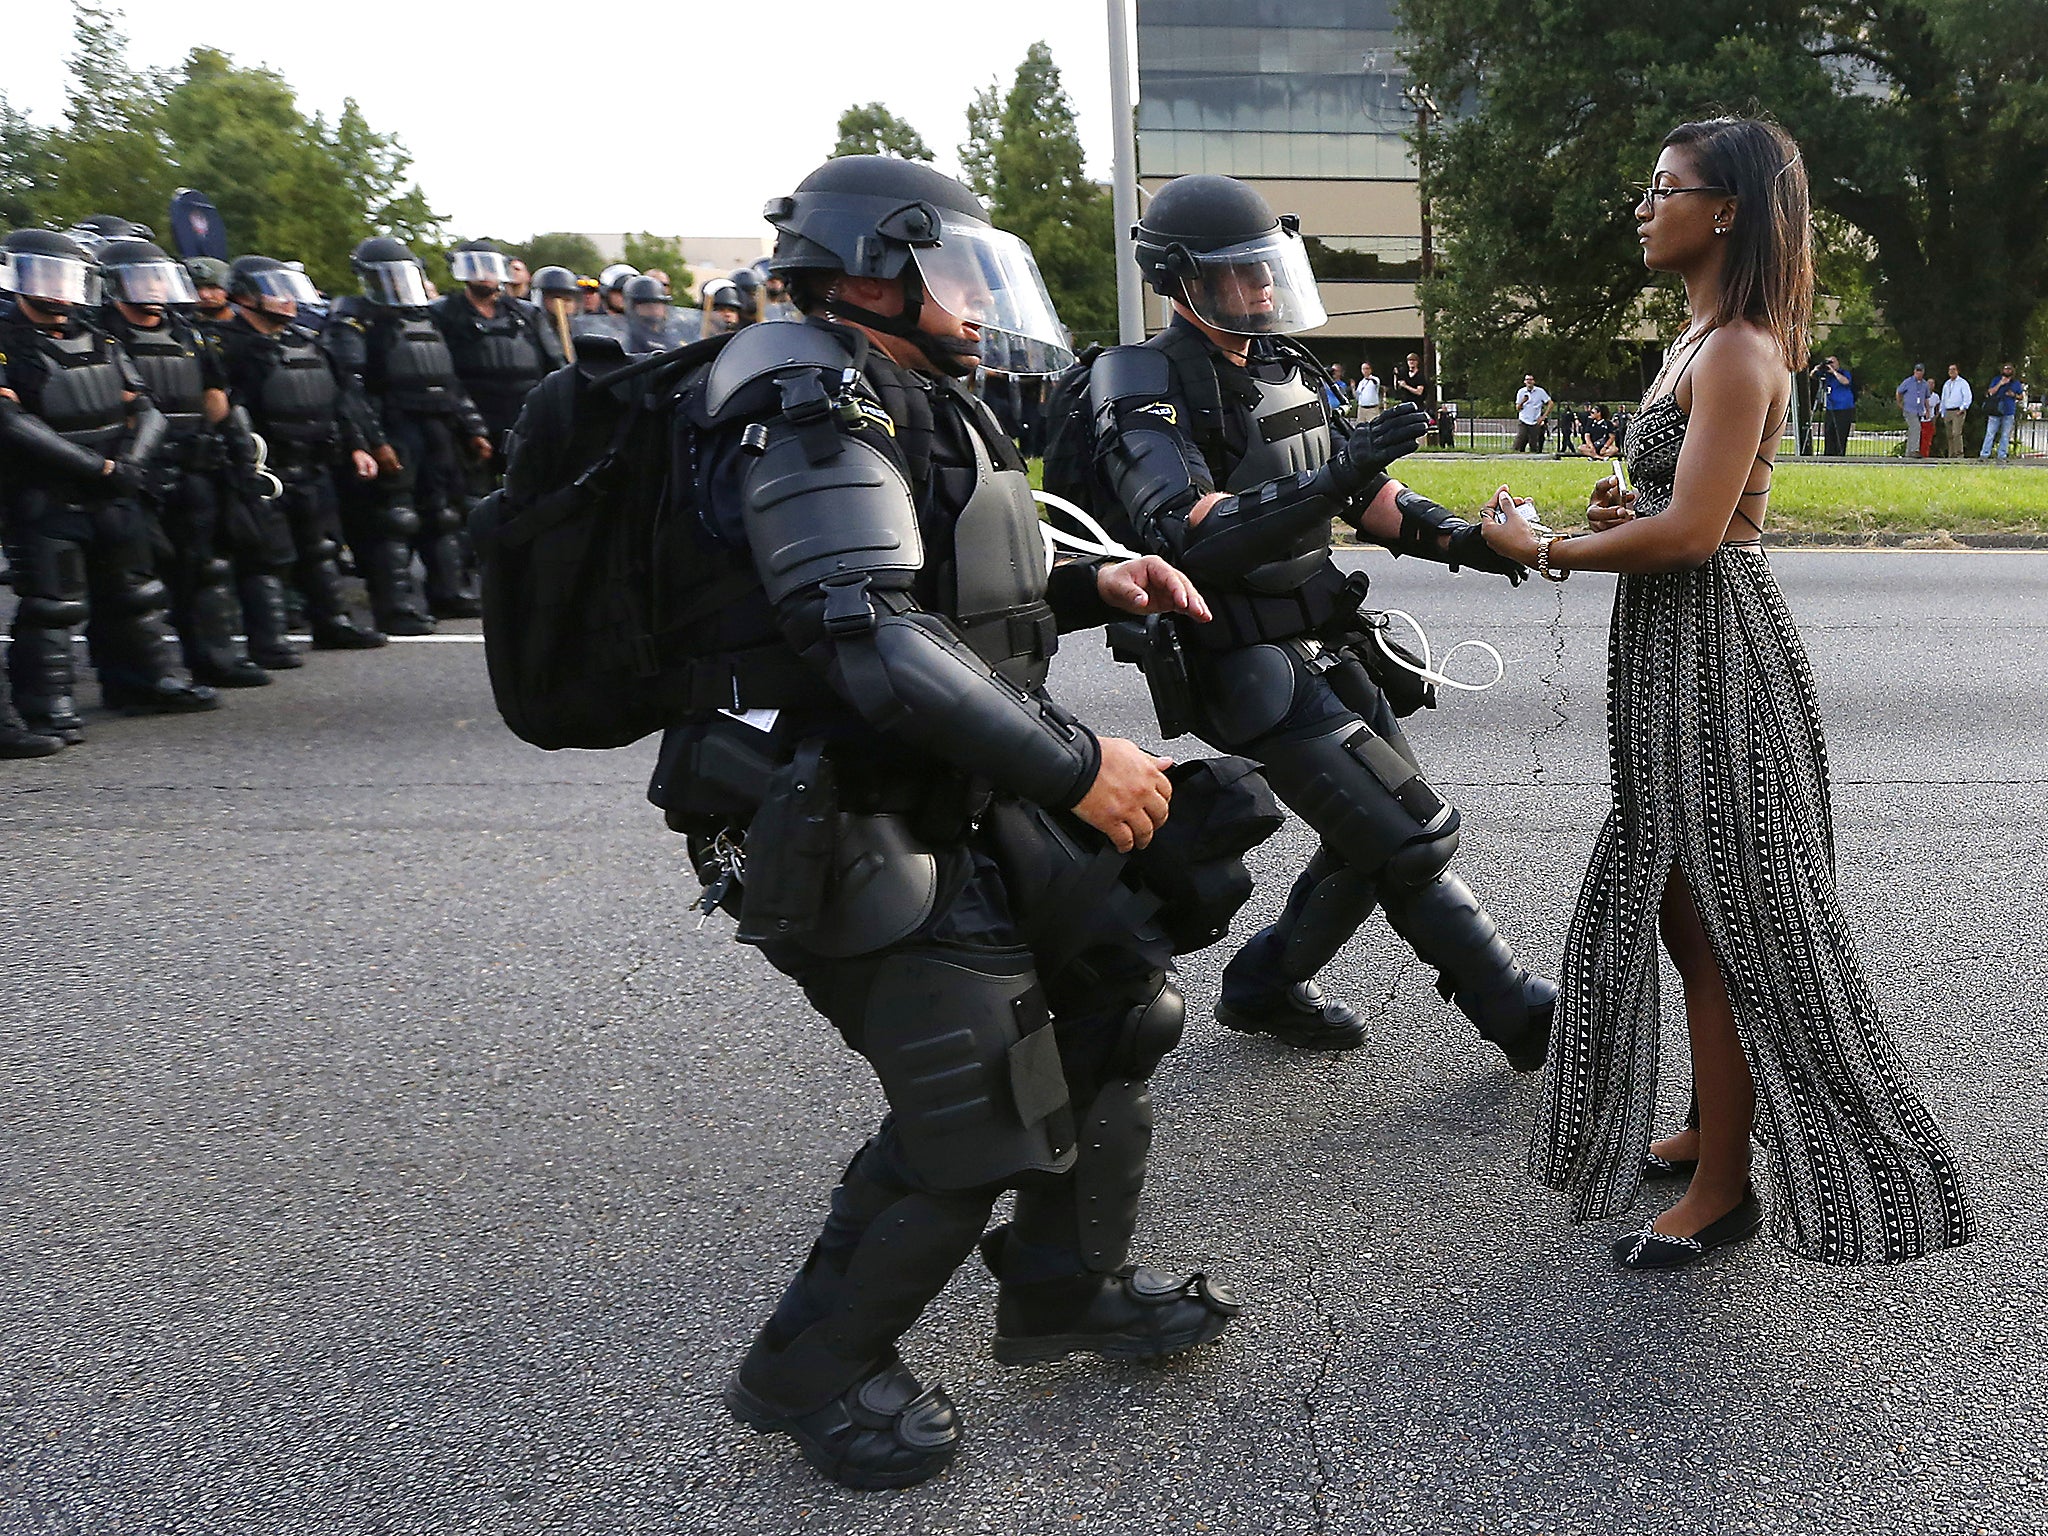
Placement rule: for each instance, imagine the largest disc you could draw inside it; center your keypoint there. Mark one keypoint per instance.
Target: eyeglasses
(1654, 195)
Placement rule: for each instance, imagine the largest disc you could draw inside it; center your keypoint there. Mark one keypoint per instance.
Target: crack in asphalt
(1555, 692)
(1312, 1406)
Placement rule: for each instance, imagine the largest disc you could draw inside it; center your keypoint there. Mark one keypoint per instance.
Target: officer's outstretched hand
(1148, 585)
(1376, 444)
(1127, 802)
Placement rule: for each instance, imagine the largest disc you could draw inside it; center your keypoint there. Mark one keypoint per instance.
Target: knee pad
(1149, 1031)
(50, 612)
(215, 572)
(397, 520)
(970, 1066)
(1369, 803)
(447, 519)
(148, 596)
(322, 550)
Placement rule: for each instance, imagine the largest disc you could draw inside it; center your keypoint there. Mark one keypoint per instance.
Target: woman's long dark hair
(1768, 278)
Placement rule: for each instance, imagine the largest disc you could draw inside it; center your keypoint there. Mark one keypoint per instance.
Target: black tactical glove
(1372, 447)
(124, 479)
(1468, 547)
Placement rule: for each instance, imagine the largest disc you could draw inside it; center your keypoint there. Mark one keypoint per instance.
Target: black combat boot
(887, 1430)
(269, 625)
(213, 650)
(16, 739)
(1133, 1314)
(1269, 986)
(394, 592)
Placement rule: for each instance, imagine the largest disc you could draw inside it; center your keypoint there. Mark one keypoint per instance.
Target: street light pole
(1130, 297)
(1418, 97)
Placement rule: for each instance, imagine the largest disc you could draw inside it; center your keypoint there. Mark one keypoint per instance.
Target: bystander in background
(1956, 400)
(1838, 393)
(2001, 406)
(1912, 395)
(1337, 395)
(1532, 412)
(1370, 401)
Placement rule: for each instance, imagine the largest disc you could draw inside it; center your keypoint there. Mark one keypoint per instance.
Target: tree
(1025, 159)
(114, 155)
(1924, 125)
(663, 253)
(28, 167)
(559, 249)
(872, 129)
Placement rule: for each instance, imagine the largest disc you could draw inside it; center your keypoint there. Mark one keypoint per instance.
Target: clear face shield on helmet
(479, 267)
(282, 291)
(1262, 287)
(399, 284)
(56, 281)
(987, 277)
(150, 284)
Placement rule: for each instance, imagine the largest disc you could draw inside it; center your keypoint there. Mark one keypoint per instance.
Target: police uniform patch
(1163, 409)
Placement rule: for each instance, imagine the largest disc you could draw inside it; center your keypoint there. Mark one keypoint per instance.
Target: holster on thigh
(961, 1043)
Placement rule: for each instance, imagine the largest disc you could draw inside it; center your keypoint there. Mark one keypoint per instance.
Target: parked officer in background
(278, 372)
(906, 642)
(386, 346)
(497, 343)
(226, 543)
(1216, 451)
(77, 428)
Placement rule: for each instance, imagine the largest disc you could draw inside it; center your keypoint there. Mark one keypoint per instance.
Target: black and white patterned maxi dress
(1714, 740)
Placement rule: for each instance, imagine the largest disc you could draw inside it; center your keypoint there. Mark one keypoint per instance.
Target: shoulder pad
(766, 348)
(1126, 373)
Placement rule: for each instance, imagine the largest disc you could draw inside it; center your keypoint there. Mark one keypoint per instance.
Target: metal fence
(1495, 434)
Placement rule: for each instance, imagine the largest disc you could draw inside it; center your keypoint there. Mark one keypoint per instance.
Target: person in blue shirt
(2001, 407)
(1838, 390)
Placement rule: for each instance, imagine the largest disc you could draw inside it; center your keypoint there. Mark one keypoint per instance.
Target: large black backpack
(578, 579)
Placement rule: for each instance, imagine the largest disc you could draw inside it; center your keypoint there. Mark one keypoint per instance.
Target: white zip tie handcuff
(1058, 540)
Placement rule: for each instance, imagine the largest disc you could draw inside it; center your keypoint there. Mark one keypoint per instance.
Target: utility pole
(1418, 97)
(1130, 296)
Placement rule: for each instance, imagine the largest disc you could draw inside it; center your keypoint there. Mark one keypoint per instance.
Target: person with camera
(1837, 394)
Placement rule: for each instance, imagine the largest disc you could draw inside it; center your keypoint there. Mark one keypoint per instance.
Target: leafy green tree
(664, 254)
(1924, 125)
(114, 153)
(559, 249)
(1023, 155)
(872, 129)
(373, 167)
(28, 167)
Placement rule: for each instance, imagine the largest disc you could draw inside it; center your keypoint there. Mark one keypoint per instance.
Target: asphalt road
(386, 1151)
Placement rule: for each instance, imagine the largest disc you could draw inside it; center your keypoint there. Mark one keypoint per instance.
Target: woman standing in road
(1721, 836)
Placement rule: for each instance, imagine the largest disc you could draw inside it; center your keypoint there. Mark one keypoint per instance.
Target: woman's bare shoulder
(1747, 346)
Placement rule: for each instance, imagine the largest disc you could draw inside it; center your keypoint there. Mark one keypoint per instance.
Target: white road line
(414, 639)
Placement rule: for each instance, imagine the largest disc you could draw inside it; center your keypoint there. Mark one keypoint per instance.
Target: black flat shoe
(1301, 1017)
(1650, 1249)
(1655, 1167)
(887, 1430)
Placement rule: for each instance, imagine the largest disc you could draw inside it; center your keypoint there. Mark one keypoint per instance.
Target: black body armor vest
(496, 358)
(167, 357)
(413, 368)
(82, 395)
(299, 394)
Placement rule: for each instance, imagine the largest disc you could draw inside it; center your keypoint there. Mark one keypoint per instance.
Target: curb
(1936, 540)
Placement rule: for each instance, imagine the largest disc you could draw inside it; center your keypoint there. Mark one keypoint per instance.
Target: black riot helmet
(139, 273)
(392, 276)
(49, 270)
(265, 283)
(877, 216)
(1213, 243)
(96, 229)
(645, 290)
(479, 262)
(551, 280)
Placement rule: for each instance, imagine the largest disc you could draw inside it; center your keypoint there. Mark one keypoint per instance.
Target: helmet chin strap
(950, 355)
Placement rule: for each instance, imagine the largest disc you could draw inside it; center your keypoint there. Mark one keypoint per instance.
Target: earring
(1720, 229)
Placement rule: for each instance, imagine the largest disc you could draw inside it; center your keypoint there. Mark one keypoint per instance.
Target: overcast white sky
(597, 127)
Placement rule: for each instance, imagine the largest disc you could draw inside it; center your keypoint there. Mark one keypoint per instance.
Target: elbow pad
(149, 433)
(1145, 460)
(32, 435)
(1244, 531)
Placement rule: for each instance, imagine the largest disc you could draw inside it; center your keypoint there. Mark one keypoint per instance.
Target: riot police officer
(201, 481)
(721, 307)
(560, 298)
(76, 429)
(495, 340)
(607, 316)
(209, 276)
(386, 346)
(1215, 449)
(651, 324)
(747, 282)
(278, 373)
(873, 568)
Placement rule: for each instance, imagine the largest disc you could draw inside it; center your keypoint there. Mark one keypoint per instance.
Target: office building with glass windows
(1304, 99)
